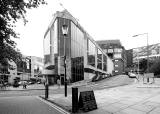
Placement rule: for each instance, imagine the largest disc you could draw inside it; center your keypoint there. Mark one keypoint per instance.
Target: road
(31, 92)
(104, 84)
(25, 105)
(27, 102)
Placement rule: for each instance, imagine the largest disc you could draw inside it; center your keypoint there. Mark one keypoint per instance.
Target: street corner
(60, 100)
(61, 106)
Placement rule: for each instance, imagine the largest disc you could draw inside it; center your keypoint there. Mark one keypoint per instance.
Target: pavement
(136, 98)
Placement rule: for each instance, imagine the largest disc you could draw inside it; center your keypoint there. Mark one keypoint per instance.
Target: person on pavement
(58, 83)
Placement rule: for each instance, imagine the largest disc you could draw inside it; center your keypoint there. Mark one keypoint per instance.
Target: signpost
(147, 76)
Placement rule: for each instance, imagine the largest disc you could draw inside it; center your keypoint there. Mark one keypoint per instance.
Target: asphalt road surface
(27, 102)
(25, 105)
(104, 84)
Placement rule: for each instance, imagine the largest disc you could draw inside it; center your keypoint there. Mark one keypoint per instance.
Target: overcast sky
(102, 19)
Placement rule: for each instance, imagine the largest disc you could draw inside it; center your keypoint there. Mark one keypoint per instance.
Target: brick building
(115, 50)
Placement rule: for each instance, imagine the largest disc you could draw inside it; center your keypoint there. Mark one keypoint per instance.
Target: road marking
(54, 106)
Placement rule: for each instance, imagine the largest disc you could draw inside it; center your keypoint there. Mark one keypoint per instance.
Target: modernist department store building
(84, 58)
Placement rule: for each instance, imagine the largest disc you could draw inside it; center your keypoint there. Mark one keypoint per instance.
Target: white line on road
(53, 106)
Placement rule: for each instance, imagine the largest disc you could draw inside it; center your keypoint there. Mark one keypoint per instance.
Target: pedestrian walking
(24, 85)
(58, 83)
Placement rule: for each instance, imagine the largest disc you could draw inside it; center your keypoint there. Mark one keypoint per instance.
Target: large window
(119, 55)
(117, 50)
(110, 50)
(91, 53)
(104, 63)
(47, 45)
(77, 53)
(54, 37)
(99, 59)
(77, 41)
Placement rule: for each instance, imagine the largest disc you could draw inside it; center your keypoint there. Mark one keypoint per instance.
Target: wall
(118, 66)
(110, 66)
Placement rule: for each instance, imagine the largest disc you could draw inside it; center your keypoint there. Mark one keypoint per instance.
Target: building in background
(29, 69)
(84, 58)
(4, 74)
(12, 69)
(115, 50)
(135, 55)
(24, 68)
(8, 72)
(37, 66)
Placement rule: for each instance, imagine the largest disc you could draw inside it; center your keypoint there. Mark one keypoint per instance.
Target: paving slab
(154, 104)
(99, 111)
(156, 110)
(130, 111)
(142, 107)
(128, 99)
(127, 102)
(155, 99)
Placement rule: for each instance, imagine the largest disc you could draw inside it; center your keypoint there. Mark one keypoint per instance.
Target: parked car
(131, 74)
(31, 82)
(22, 82)
(38, 82)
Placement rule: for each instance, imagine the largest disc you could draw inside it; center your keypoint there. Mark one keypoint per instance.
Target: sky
(102, 19)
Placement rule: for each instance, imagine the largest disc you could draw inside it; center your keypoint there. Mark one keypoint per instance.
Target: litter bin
(74, 99)
(46, 91)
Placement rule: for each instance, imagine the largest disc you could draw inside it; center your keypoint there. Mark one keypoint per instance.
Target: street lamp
(138, 62)
(147, 52)
(65, 32)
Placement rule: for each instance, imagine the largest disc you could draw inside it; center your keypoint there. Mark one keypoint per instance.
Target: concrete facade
(84, 58)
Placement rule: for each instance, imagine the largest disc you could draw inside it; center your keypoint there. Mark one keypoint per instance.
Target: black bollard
(74, 99)
(46, 91)
(148, 80)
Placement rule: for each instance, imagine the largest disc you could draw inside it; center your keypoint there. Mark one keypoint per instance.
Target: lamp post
(46, 88)
(23, 62)
(65, 32)
(147, 52)
(138, 63)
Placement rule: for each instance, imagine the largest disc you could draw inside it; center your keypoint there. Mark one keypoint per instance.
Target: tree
(143, 64)
(10, 12)
(155, 67)
(9, 53)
